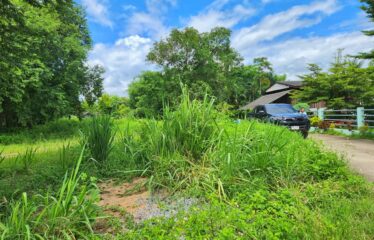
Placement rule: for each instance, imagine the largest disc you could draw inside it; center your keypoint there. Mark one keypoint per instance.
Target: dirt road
(359, 152)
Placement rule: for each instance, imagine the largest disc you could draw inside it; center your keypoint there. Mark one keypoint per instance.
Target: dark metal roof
(269, 98)
(292, 83)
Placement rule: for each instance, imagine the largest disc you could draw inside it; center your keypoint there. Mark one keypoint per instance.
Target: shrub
(61, 128)
(315, 121)
(301, 105)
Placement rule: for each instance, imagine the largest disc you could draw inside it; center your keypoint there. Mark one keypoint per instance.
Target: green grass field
(252, 180)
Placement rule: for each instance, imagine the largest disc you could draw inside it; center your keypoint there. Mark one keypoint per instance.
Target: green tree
(206, 64)
(346, 85)
(248, 82)
(201, 61)
(43, 49)
(93, 85)
(150, 91)
(241, 87)
(368, 7)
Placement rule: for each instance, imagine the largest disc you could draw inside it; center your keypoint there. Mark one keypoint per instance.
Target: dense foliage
(43, 47)
(205, 63)
(347, 84)
(368, 7)
(117, 107)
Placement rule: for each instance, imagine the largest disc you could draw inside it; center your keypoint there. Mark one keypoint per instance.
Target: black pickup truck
(282, 114)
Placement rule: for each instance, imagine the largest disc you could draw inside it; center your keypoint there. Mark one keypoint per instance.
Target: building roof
(268, 98)
(292, 83)
(280, 86)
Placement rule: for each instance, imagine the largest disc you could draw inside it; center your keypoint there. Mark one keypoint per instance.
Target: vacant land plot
(195, 174)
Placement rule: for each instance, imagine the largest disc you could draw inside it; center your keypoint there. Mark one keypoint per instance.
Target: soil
(135, 199)
(358, 152)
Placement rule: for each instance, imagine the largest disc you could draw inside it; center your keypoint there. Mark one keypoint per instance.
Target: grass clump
(99, 137)
(190, 129)
(27, 158)
(171, 148)
(2, 157)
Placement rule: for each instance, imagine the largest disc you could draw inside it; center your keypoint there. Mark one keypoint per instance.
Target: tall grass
(68, 215)
(190, 129)
(2, 157)
(195, 148)
(171, 148)
(27, 159)
(57, 129)
(64, 156)
(99, 137)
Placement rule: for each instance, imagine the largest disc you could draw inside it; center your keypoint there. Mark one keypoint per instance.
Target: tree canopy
(43, 47)
(368, 7)
(205, 63)
(347, 84)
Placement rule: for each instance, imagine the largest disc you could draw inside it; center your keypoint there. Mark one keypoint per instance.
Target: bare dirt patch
(135, 199)
(130, 197)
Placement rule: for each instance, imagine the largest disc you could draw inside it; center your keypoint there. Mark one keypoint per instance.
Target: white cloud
(122, 61)
(129, 7)
(98, 12)
(151, 21)
(146, 24)
(274, 25)
(214, 16)
(211, 18)
(292, 56)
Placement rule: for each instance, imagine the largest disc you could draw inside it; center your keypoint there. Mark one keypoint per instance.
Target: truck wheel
(305, 134)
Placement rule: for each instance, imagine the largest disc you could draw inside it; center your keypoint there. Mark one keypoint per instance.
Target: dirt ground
(358, 152)
(134, 198)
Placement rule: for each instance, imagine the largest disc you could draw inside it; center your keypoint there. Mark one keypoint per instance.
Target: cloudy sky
(291, 33)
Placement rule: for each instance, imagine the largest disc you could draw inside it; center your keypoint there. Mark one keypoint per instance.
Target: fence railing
(369, 117)
(346, 118)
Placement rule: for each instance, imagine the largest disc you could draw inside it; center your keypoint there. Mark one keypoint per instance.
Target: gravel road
(358, 152)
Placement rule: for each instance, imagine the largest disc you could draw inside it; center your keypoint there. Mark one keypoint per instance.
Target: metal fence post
(321, 113)
(360, 117)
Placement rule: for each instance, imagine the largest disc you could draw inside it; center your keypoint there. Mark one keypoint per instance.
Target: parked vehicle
(283, 114)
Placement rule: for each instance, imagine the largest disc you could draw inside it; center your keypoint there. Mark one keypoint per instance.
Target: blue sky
(291, 33)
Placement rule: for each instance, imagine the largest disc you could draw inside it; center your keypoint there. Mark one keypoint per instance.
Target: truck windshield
(279, 109)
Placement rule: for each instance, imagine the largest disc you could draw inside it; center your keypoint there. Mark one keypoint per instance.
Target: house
(278, 93)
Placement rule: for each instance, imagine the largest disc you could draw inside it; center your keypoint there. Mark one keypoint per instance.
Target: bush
(58, 129)
(315, 121)
(301, 105)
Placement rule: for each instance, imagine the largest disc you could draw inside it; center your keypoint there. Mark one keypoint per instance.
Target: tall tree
(368, 7)
(150, 91)
(43, 47)
(346, 85)
(93, 83)
(202, 61)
